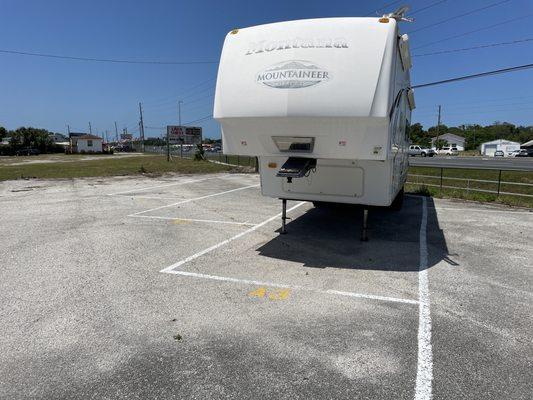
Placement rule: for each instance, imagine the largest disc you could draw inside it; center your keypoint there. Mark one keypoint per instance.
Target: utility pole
(69, 139)
(116, 132)
(179, 123)
(438, 128)
(168, 145)
(141, 127)
(106, 138)
(90, 129)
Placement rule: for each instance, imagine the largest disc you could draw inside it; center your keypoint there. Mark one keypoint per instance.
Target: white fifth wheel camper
(324, 103)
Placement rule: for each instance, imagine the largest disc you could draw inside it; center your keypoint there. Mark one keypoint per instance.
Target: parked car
(499, 153)
(524, 153)
(513, 153)
(28, 152)
(416, 150)
(449, 151)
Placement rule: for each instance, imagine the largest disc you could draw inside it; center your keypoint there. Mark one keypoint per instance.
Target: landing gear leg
(283, 215)
(364, 236)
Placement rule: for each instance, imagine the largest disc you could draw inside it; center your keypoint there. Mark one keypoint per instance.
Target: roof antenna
(399, 15)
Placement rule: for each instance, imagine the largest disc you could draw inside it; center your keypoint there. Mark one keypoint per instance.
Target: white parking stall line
(210, 221)
(286, 286)
(176, 183)
(172, 269)
(194, 199)
(160, 186)
(424, 373)
(148, 197)
(224, 242)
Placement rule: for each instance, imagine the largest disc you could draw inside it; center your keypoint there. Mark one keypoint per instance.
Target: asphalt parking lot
(182, 287)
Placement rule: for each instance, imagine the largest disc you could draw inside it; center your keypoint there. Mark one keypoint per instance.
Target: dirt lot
(181, 287)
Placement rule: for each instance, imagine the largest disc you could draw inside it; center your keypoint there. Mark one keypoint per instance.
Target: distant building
(489, 148)
(86, 144)
(58, 137)
(452, 140)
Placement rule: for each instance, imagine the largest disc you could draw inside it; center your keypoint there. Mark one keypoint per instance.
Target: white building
(86, 144)
(489, 148)
(452, 140)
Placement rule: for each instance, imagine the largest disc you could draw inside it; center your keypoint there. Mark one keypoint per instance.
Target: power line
(479, 100)
(473, 48)
(185, 92)
(465, 77)
(201, 98)
(459, 16)
(108, 60)
(458, 108)
(387, 5)
(429, 6)
(199, 119)
(474, 31)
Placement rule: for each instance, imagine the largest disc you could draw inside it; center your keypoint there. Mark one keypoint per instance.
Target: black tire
(423, 154)
(398, 201)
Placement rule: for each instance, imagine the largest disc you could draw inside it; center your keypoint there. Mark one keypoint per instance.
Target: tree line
(41, 139)
(474, 134)
(26, 138)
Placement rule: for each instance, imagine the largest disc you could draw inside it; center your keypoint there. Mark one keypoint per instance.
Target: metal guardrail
(495, 163)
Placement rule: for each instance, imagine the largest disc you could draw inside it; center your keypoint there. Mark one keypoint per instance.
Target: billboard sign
(184, 134)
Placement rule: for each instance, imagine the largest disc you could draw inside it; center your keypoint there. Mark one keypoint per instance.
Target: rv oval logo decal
(294, 74)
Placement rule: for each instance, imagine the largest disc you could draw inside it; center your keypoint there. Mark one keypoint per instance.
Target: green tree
(440, 143)
(28, 137)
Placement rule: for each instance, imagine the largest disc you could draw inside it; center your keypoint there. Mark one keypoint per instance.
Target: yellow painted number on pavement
(277, 294)
(280, 294)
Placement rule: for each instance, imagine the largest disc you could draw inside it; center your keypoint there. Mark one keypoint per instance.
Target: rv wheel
(398, 201)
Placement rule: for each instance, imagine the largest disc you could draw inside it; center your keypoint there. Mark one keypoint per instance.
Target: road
(182, 288)
(508, 163)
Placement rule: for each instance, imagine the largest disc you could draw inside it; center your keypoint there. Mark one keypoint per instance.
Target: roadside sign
(184, 134)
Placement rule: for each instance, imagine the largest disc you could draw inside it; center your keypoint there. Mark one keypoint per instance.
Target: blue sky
(51, 93)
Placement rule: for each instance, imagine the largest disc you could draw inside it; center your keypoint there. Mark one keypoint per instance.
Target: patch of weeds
(422, 190)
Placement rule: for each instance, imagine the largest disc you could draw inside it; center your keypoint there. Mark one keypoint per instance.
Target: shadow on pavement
(330, 238)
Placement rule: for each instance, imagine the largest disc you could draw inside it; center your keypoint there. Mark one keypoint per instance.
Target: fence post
(227, 159)
(441, 180)
(499, 181)
(238, 160)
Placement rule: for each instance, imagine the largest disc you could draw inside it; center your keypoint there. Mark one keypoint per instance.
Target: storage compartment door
(333, 180)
